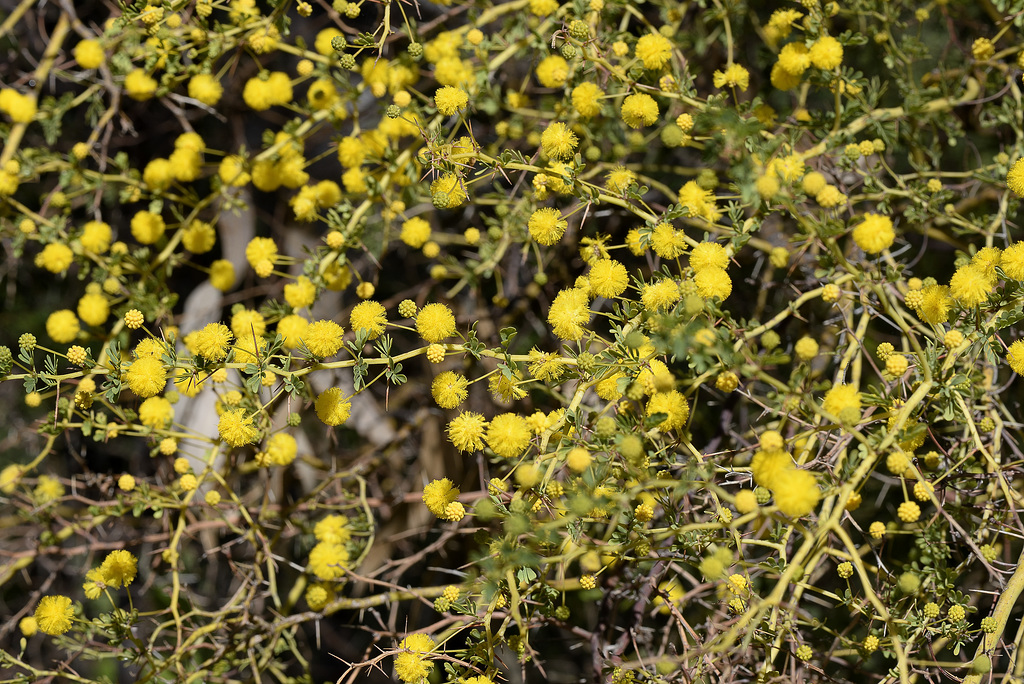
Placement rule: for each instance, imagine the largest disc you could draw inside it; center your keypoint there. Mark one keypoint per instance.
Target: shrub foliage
(668, 341)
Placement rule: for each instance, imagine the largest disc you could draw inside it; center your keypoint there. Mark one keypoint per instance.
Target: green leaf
(526, 574)
(1008, 318)
(359, 372)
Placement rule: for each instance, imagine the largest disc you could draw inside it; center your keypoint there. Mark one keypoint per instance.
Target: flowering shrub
(667, 341)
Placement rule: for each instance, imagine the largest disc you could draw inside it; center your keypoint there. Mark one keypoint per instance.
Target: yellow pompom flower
(698, 201)
(1015, 357)
(450, 100)
(438, 495)
(449, 389)
(199, 237)
(450, 186)
(133, 319)
(783, 79)
(708, 255)
(261, 253)
(713, 282)
(813, 183)
(806, 348)
(222, 275)
(236, 428)
(158, 174)
(351, 152)
(317, 596)
(411, 665)
(746, 501)
(619, 180)
(139, 85)
(844, 402)
(553, 72)
(578, 459)
(660, 295)
(96, 237)
(292, 328)
(146, 377)
(986, 260)
(323, 338)
(212, 342)
(149, 347)
(608, 278)
(415, 232)
(508, 435)
(119, 568)
(639, 110)
(28, 626)
(9, 478)
(54, 614)
(969, 286)
(547, 226)
(506, 389)
(467, 431)
(586, 99)
(935, 304)
(327, 561)
(334, 529)
(897, 462)
(1012, 261)
(673, 405)
(55, 257)
(569, 312)
(370, 316)
(301, 293)
(332, 407)
(47, 489)
(796, 492)
(435, 323)
(543, 8)
(768, 464)
(246, 324)
(608, 388)
(874, 233)
(781, 21)
(261, 94)
(771, 440)
(654, 50)
(830, 197)
(231, 171)
(734, 76)
(667, 242)
(89, 54)
(21, 108)
(281, 449)
(896, 365)
(206, 89)
(826, 53)
(982, 49)
(322, 42)
(8, 186)
(794, 58)
(147, 227)
(767, 187)
(1015, 178)
(156, 412)
(558, 141)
